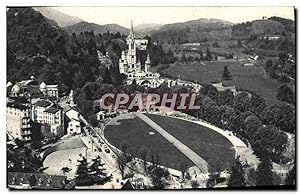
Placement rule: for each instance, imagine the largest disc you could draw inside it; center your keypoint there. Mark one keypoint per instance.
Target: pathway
(195, 158)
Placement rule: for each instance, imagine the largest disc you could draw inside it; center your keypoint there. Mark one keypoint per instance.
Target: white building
(74, 125)
(18, 124)
(132, 68)
(49, 90)
(50, 116)
(222, 88)
(32, 89)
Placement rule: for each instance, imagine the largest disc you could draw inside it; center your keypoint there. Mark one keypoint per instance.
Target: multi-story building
(74, 125)
(31, 89)
(50, 116)
(49, 90)
(18, 123)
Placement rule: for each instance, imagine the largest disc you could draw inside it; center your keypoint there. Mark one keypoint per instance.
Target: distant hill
(146, 29)
(258, 27)
(85, 26)
(60, 18)
(193, 31)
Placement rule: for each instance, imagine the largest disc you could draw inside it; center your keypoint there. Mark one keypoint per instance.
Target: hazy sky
(164, 15)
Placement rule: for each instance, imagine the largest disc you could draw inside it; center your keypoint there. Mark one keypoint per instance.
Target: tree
(159, 177)
(32, 180)
(97, 173)
(242, 102)
(121, 161)
(216, 44)
(144, 153)
(225, 97)
(226, 74)
(264, 173)
(285, 94)
(251, 125)
(270, 142)
(280, 115)
(258, 104)
(237, 176)
(208, 56)
(183, 58)
(210, 91)
(183, 169)
(82, 174)
(87, 175)
(291, 176)
(194, 184)
(65, 170)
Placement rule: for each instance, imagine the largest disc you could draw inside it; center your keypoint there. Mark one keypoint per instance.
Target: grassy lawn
(212, 146)
(136, 134)
(247, 78)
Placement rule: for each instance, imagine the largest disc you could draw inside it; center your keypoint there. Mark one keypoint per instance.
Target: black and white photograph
(150, 97)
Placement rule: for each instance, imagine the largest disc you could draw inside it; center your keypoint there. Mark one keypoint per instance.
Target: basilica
(131, 66)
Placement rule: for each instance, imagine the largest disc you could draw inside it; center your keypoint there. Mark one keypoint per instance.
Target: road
(194, 157)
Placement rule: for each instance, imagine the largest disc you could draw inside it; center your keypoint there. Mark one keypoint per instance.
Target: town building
(18, 123)
(50, 116)
(74, 124)
(221, 88)
(32, 90)
(49, 90)
(20, 180)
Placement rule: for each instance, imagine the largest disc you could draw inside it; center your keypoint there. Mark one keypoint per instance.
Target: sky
(165, 15)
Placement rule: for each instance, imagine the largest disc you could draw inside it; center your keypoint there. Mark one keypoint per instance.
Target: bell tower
(147, 63)
(131, 56)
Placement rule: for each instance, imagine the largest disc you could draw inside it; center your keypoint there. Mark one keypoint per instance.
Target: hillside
(85, 26)
(273, 25)
(60, 18)
(146, 29)
(193, 31)
(37, 47)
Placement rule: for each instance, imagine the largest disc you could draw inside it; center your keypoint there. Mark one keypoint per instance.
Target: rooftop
(52, 110)
(39, 181)
(17, 106)
(42, 103)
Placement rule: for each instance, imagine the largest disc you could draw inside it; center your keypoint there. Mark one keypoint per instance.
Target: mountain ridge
(87, 26)
(60, 18)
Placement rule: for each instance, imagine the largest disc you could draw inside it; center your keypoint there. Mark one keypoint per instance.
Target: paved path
(195, 158)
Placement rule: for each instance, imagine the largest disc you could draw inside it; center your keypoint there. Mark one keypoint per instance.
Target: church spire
(131, 30)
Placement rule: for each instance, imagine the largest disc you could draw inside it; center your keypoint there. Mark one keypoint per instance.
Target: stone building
(18, 123)
(50, 116)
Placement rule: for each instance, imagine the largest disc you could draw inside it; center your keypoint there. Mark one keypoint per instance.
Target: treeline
(249, 118)
(49, 54)
(284, 71)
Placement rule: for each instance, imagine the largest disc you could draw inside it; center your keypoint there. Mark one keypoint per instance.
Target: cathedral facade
(132, 68)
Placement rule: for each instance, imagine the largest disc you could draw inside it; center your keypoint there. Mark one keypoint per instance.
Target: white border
(5, 3)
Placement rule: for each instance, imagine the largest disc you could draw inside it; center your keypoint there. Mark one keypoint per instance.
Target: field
(136, 134)
(250, 78)
(210, 145)
(213, 147)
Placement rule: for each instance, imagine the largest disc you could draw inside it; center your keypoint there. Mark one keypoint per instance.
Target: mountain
(146, 29)
(60, 18)
(273, 25)
(85, 26)
(37, 46)
(193, 31)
